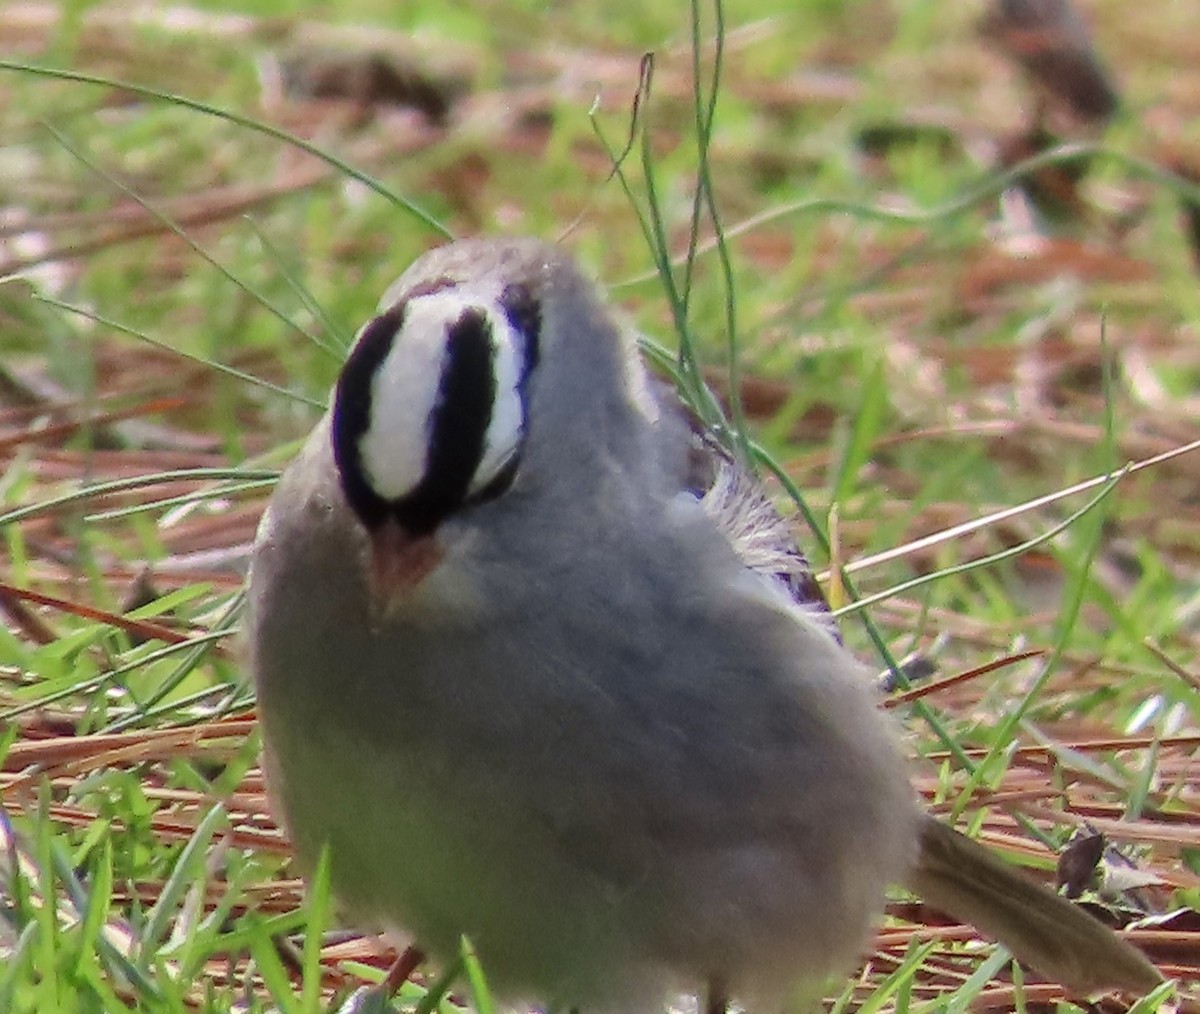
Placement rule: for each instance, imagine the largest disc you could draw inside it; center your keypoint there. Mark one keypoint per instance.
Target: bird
(539, 665)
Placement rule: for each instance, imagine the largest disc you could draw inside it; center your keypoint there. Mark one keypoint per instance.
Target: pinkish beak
(399, 562)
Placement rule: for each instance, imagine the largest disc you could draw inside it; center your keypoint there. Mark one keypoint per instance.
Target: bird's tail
(1041, 928)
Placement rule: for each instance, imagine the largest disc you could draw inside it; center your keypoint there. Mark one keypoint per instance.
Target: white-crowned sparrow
(541, 671)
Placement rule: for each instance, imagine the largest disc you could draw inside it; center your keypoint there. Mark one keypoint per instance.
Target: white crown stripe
(407, 390)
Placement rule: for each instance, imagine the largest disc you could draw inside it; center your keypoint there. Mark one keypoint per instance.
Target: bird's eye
(430, 410)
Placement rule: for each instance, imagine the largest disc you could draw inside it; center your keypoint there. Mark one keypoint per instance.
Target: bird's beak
(399, 562)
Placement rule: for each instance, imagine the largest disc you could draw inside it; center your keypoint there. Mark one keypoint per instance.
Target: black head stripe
(459, 421)
(524, 313)
(458, 429)
(352, 412)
